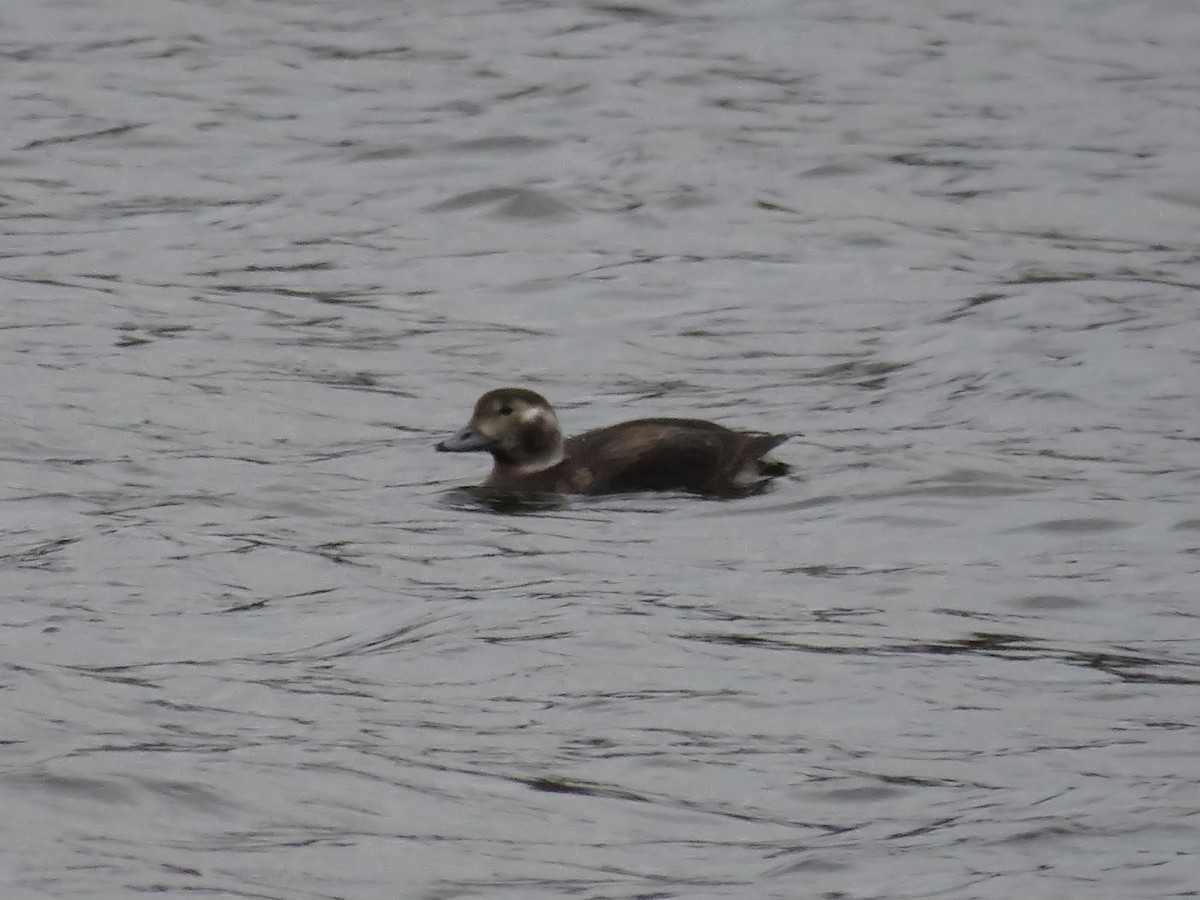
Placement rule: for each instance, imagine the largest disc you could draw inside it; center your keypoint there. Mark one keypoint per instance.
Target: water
(258, 256)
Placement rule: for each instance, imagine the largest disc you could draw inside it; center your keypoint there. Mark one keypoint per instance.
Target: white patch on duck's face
(485, 426)
(531, 414)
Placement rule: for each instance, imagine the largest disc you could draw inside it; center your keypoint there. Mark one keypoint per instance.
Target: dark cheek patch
(535, 441)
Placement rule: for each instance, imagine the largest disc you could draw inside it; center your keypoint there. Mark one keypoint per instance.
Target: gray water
(257, 257)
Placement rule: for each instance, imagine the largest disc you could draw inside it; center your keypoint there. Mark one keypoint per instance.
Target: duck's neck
(539, 462)
(538, 449)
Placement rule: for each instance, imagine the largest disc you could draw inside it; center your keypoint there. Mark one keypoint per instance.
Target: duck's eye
(506, 410)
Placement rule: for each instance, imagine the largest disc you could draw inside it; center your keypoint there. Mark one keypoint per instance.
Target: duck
(520, 430)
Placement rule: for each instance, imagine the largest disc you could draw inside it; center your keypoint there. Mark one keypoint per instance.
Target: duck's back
(670, 454)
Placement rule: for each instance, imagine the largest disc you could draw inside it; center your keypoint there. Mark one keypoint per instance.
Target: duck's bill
(465, 441)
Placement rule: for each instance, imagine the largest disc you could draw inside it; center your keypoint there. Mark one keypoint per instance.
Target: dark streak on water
(258, 256)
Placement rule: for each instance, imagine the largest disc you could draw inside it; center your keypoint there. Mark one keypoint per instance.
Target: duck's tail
(756, 466)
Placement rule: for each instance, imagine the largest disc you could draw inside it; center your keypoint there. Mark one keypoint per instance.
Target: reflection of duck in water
(519, 428)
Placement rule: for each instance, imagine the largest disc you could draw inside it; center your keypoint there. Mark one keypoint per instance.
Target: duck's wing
(669, 454)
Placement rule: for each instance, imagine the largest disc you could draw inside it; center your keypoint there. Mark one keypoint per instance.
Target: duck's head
(517, 426)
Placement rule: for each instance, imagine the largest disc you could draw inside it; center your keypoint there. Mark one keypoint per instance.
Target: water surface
(259, 256)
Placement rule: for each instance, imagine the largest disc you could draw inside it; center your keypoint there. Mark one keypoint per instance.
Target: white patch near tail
(750, 474)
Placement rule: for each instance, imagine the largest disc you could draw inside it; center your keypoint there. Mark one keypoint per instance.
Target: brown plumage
(520, 430)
